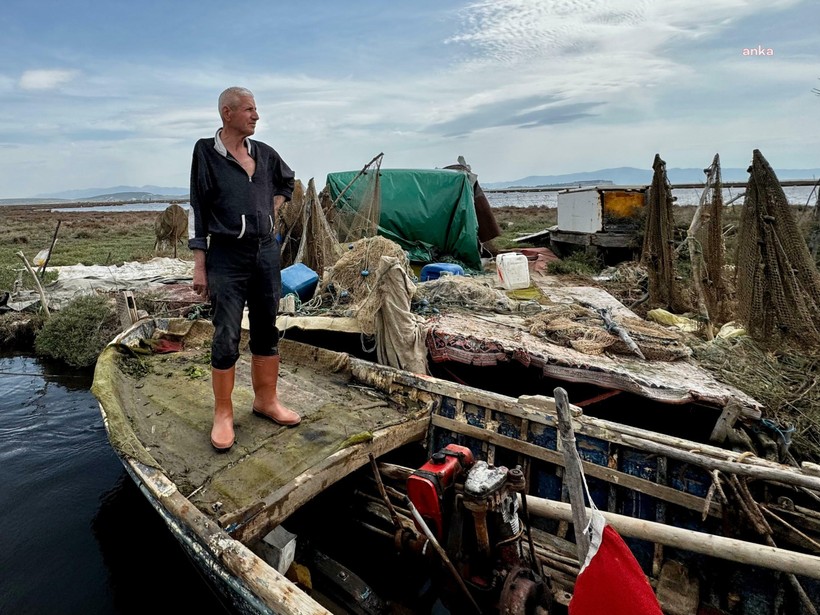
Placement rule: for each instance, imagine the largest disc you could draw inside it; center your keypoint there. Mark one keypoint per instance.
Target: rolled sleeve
(283, 178)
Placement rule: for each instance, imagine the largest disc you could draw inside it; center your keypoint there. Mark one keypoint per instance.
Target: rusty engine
(470, 512)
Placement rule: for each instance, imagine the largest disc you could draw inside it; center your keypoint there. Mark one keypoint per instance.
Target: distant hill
(631, 175)
(131, 196)
(88, 194)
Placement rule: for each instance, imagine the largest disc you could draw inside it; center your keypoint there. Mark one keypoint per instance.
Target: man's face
(243, 117)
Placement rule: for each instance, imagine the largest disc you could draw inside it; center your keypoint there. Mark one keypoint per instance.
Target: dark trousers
(240, 271)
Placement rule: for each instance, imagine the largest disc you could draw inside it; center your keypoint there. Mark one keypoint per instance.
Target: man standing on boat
(237, 186)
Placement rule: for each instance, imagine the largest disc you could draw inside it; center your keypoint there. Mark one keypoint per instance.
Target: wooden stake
(50, 250)
(427, 532)
(380, 484)
(37, 282)
(572, 474)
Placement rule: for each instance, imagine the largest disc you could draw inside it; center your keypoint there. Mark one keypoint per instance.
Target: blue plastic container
(433, 271)
(300, 280)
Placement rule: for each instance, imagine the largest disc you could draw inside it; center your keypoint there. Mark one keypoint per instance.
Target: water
(77, 535)
(797, 195)
(118, 208)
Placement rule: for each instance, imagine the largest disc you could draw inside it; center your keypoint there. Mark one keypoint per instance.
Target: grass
(112, 238)
(521, 221)
(87, 238)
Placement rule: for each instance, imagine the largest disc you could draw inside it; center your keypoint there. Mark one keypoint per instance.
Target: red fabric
(613, 583)
(164, 346)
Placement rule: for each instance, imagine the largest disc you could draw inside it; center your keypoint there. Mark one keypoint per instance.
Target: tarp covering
(429, 212)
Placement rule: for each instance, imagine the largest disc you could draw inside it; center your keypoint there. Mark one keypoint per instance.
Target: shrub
(79, 332)
(578, 263)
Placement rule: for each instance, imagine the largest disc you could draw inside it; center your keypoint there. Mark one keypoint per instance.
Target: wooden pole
(359, 174)
(50, 250)
(729, 549)
(429, 534)
(572, 473)
(36, 282)
(374, 466)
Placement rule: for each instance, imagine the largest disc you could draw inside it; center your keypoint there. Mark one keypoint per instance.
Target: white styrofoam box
(512, 270)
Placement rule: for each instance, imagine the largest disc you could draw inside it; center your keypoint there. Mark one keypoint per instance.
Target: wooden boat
(378, 485)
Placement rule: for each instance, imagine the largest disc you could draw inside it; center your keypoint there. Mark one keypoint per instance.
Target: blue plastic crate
(300, 280)
(433, 271)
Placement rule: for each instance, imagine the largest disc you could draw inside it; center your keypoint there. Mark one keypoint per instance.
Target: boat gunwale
(228, 548)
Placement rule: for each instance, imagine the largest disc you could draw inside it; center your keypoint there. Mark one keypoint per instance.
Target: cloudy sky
(97, 94)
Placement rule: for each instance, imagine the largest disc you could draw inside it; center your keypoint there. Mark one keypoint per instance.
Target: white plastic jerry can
(512, 270)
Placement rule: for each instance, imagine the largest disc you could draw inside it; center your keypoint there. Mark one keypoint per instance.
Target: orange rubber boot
(222, 435)
(265, 375)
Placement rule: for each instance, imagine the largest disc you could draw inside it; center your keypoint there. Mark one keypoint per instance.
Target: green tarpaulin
(430, 213)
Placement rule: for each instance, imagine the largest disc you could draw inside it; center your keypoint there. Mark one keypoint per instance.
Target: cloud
(540, 110)
(45, 79)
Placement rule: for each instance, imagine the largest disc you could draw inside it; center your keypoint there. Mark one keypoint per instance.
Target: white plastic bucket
(512, 270)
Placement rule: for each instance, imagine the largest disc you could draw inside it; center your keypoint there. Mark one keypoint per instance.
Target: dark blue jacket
(225, 201)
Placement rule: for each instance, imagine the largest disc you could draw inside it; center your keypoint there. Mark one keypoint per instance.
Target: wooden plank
(578, 239)
(250, 526)
(719, 547)
(705, 456)
(725, 422)
(671, 495)
(660, 517)
(528, 238)
(243, 566)
(573, 478)
(741, 469)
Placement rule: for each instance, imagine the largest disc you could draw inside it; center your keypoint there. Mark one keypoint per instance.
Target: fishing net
(318, 247)
(357, 217)
(289, 225)
(778, 286)
(658, 253)
(584, 329)
(464, 292)
(385, 313)
(706, 249)
(352, 277)
(814, 223)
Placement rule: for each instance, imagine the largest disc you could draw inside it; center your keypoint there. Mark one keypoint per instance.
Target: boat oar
(572, 473)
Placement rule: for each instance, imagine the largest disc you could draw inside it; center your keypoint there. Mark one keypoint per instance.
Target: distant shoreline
(582, 185)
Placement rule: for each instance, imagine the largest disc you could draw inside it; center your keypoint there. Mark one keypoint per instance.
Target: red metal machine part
(427, 487)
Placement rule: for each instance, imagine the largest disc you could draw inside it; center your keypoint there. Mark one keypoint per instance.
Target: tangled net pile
(465, 292)
(575, 326)
(351, 279)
